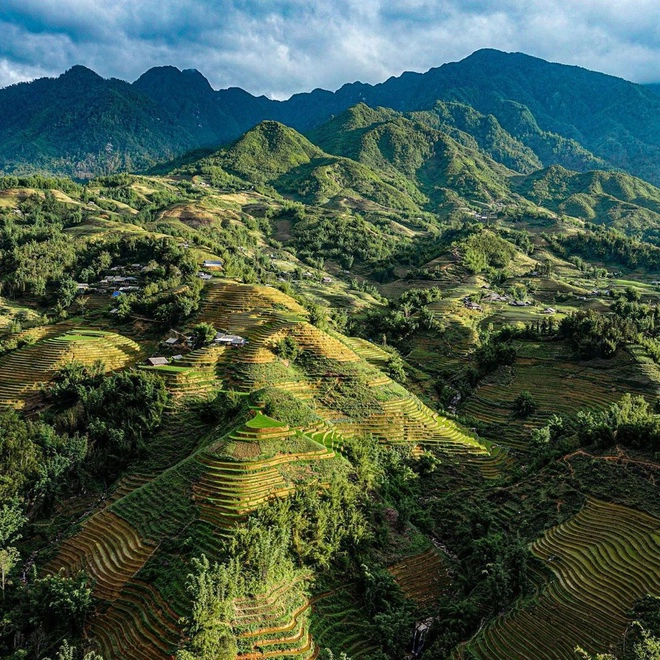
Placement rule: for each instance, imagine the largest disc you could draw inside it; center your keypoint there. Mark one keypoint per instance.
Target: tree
(9, 557)
(11, 521)
(524, 404)
(66, 291)
(68, 652)
(395, 368)
(210, 634)
(203, 334)
(64, 602)
(287, 348)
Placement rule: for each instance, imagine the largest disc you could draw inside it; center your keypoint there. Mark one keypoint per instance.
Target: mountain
(189, 97)
(523, 111)
(279, 156)
(612, 198)
(437, 403)
(81, 124)
(433, 161)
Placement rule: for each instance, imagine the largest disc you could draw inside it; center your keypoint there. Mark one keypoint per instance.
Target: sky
(280, 47)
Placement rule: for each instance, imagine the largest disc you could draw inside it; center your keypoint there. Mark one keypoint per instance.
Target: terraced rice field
(251, 466)
(558, 385)
(423, 578)
(108, 549)
(139, 624)
(25, 370)
(275, 624)
(184, 382)
(310, 338)
(406, 420)
(230, 306)
(367, 351)
(604, 559)
(341, 626)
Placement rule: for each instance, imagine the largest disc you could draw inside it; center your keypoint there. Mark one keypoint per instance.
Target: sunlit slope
(603, 559)
(25, 370)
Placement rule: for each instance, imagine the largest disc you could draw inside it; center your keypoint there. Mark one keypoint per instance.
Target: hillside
(274, 154)
(437, 164)
(80, 124)
(522, 111)
(611, 198)
(299, 396)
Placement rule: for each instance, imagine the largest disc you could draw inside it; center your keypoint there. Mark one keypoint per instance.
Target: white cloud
(285, 46)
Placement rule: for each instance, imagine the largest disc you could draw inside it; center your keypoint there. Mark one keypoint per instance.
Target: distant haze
(280, 47)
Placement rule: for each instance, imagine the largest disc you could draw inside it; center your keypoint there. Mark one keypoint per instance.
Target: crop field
(310, 338)
(558, 384)
(253, 464)
(337, 623)
(423, 578)
(25, 370)
(275, 623)
(109, 549)
(231, 307)
(201, 485)
(367, 351)
(404, 419)
(604, 559)
(138, 624)
(193, 377)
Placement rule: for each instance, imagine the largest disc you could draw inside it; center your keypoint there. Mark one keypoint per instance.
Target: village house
(229, 340)
(157, 361)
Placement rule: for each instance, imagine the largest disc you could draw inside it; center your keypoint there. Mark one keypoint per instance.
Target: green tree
(210, 634)
(68, 652)
(287, 348)
(524, 404)
(203, 334)
(11, 521)
(395, 368)
(66, 291)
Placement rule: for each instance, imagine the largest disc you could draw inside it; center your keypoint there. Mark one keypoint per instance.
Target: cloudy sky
(279, 47)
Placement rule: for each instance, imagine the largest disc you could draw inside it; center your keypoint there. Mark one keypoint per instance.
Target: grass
(260, 421)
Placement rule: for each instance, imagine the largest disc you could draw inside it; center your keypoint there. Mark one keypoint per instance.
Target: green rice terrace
(602, 560)
(23, 372)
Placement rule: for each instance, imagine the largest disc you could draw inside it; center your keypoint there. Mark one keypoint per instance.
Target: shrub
(524, 404)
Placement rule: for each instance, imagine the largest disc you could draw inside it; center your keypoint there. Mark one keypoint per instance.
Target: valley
(386, 389)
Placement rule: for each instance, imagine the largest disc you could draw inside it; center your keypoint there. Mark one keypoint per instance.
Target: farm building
(157, 361)
(211, 263)
(229, 340)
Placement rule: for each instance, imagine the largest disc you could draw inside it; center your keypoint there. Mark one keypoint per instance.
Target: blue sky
(280, 47)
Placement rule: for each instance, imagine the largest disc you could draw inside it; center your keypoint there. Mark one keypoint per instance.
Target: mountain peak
(80, 72)
(172, 78)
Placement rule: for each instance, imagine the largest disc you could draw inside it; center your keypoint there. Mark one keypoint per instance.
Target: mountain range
(523, 112)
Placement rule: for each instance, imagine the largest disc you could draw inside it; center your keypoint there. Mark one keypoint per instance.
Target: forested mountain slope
(528, 111)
